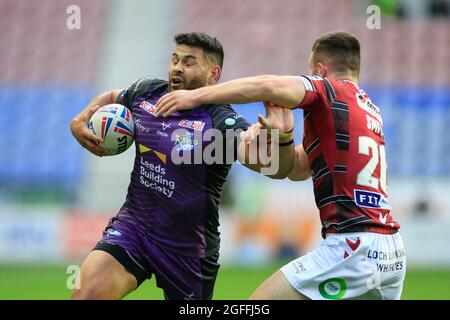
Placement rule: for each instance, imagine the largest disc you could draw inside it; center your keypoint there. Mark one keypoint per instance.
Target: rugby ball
(114, 124)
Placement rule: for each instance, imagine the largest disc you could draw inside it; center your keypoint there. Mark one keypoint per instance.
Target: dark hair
(211, 46)
(342, 48)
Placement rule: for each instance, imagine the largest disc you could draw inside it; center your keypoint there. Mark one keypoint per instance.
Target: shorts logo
(185, 142)
(370, 199)
(112, 232)
(192, 124)
(298, 267)
(333, 289)
(147, 106)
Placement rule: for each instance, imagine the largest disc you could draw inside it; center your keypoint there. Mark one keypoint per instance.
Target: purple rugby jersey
(174, 205)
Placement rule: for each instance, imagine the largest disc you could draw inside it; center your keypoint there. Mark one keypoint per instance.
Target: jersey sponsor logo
(192, 124)
(368, 199)
(333, 289)
(139, 126)
(230, 121)
(160, 155)
(113, 232)
(185, 142)
(164, 127)
(153, 176)
(147, 106)
(366, 104)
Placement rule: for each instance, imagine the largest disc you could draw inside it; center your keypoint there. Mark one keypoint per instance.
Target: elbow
(73, 124)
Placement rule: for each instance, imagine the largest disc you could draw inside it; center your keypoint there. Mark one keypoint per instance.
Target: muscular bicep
(301, 170)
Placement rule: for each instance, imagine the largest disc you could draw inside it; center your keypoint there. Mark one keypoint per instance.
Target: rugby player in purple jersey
(168, 225)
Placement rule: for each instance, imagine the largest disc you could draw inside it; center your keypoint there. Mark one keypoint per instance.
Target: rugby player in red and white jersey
(343, 150)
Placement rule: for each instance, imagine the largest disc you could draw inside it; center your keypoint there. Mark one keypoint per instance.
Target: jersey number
(365, 176)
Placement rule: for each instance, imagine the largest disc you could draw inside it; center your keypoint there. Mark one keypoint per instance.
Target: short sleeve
(316, 90)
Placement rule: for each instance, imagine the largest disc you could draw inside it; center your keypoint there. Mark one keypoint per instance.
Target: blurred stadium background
(55, 198)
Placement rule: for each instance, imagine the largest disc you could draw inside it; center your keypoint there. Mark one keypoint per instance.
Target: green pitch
(49, 282)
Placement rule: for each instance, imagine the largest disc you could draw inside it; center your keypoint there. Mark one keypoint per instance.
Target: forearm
(100, 100)
(103, 99)
(285, 91)
(282, 154)
(286, 158)
(274, 158)
(300, 170)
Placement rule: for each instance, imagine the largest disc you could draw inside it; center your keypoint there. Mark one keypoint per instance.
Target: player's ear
(322, 70)
(214, 75)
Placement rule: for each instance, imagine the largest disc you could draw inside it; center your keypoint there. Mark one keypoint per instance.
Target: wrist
(289, 131)
(199, 96)
(283, 138)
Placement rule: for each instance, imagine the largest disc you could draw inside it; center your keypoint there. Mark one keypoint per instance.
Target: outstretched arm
(286, 91)
(79, 124)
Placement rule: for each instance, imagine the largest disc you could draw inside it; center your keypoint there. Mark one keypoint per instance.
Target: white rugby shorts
(360, 265)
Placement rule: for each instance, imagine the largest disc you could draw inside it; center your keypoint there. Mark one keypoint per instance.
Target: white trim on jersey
(307, 83)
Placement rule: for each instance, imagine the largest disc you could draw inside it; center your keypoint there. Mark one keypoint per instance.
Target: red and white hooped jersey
(344, 141)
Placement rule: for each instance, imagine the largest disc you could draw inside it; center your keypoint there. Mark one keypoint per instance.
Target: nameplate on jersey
(147, 106)
(368, 199)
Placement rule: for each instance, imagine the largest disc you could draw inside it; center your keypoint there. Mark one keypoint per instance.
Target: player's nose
(177, 69)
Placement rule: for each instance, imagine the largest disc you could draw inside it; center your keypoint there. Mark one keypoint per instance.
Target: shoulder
(327, 87)
(141, 87)
(149, 84)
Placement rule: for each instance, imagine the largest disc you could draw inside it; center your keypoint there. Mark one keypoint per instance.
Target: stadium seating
(47, 77)
(51, 69)
(405, 66)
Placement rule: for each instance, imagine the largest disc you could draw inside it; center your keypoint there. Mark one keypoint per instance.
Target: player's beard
(191, 84)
